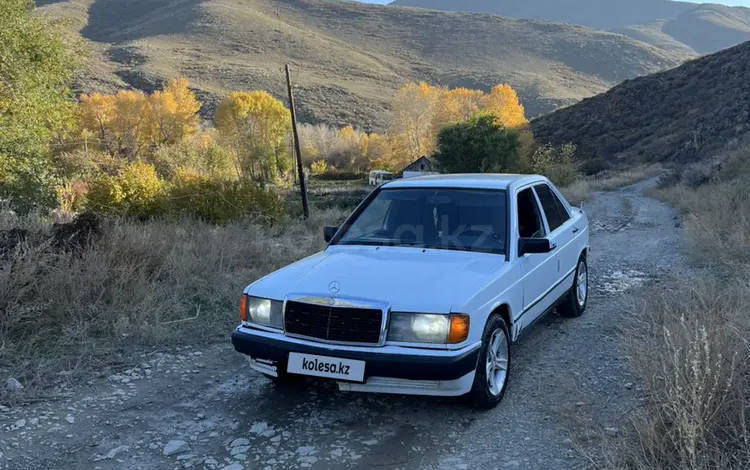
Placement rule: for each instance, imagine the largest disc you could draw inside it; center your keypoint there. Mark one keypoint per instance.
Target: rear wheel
(575, 303)
(491, 377)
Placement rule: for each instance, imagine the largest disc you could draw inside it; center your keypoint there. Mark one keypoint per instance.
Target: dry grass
(582, 189)
(690, 344)
(142, 286)
(717, 219)
(689, 348)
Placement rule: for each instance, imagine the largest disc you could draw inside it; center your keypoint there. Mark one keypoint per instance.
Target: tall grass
(141, 286)
(690, 346)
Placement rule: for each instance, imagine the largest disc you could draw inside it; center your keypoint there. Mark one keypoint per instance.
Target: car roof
(467, 180)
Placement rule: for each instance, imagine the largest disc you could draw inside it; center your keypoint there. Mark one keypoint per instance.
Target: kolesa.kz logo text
(330, 367)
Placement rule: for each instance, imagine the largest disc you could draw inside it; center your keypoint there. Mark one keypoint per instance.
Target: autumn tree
(502, 101)
(456, 105)
(412, 116)
(131, 121)
(174, 112)
(132, 125)
(97, 112)
(379, 151)
(258, 126)
(421, 111)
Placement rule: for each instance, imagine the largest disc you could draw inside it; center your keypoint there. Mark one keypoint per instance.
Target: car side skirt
(549, 309)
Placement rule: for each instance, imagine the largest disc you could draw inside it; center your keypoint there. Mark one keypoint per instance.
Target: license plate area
(349, 370)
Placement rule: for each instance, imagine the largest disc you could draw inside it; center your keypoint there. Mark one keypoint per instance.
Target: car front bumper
(388, 369)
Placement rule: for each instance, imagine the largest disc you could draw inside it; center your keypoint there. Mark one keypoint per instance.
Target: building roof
(468, 180)
(422, 162)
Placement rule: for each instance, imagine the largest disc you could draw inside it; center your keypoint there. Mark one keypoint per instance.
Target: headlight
(418, 328)
(428, 328)
(264, 311)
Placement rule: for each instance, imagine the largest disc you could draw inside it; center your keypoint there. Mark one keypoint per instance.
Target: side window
(529, 220)
(553, 207)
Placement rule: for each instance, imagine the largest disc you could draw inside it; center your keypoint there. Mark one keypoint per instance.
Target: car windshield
(450, 219)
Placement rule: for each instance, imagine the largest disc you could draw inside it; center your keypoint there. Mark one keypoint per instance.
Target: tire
(576, 300)
(486, 394)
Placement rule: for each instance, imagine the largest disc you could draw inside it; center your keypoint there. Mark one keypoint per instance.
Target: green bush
(27, 182)
(135, 191)
(556, 163)
(200, 157)
(36, 69)
(222, 201)
(81, 163)
(480, 145)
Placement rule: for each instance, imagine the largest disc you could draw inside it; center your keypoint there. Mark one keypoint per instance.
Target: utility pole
(300, 172)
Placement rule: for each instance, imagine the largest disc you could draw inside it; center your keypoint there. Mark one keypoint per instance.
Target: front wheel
(491, 377)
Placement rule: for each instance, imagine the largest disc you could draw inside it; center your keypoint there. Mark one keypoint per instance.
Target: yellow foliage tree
(456, 105)
(378, 150)
(502, 101)
(130, 120)
(175, 112)
(132, 125)
(97, 113)
(258, 125)
(413, 112)
(419, 111)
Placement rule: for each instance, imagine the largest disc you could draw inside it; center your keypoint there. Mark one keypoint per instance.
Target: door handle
(575, 229)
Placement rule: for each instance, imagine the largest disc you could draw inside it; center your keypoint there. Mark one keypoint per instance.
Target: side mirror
(328, 232)
(534, 246)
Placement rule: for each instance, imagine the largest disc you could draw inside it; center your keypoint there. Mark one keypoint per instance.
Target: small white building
(378, 177)
(422, 167)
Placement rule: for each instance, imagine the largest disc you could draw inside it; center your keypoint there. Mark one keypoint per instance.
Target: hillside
(678, 115)
(347, 58)
(679, 26)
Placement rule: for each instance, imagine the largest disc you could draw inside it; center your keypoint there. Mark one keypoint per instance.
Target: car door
(561, 234)
(539, 270)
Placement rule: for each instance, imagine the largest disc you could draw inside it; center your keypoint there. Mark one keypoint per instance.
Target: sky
(742, 3)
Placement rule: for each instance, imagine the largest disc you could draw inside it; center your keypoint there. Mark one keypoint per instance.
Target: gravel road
(205, 409)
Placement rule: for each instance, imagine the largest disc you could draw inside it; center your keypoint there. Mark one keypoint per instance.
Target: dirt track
(214, 412)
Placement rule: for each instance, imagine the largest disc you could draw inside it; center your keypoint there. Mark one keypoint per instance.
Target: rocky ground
(205, 409)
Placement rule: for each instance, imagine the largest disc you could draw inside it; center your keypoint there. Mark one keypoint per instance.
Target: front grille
(340, 324)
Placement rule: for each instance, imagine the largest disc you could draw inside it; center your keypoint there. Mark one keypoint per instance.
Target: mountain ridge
(347, 58)
(701, 28)
(677, 115)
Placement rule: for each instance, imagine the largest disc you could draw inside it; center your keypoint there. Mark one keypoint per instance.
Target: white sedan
(423, 288)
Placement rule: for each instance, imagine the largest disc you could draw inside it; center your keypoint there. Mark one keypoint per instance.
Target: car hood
(409, 279)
